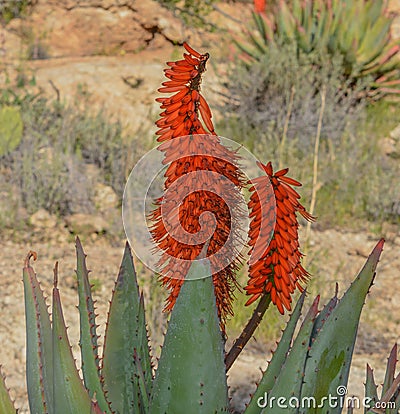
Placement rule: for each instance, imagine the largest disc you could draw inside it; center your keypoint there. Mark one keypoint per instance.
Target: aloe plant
(191, 373)
(359, 30)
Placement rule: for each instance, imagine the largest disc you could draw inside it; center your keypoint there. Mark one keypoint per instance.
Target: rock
(394, 7)
(389, 148)
(10, 44)
(98, 27)
(105, 197)
(86, 224)
(395, 134)
(170, 29)
(358, 251)
(92, 172)
(42, 219)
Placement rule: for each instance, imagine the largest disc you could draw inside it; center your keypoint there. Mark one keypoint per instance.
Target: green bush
(11, 9)
(191, 12)
(52, 168)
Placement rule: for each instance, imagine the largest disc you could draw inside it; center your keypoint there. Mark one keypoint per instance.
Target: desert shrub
(273, 107)
(284, 88)
(191, 12)
(11, 9)
(51, 168)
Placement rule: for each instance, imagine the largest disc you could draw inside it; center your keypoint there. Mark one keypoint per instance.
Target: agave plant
(359, 30)
(310, 366)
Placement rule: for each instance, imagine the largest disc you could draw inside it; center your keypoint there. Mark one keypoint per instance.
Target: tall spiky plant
(358, 30)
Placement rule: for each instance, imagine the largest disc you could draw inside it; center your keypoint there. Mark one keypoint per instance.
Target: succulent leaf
(141, 381)
(277, 360)
(253, 53)
(291, 377)
(88, 335)
(192, 358)
(125, 337)
(70, 395)
(332, 348)
(261, 26)
(285, 21)
(390, 370)
(39, 351)
(324, 314)
(370, 389)
(6, 404)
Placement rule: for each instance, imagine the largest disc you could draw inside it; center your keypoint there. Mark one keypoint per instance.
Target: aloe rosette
(191, 373)
(358, 30)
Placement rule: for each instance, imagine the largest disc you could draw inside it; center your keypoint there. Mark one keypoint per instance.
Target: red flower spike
(280, 260)
(186, 152)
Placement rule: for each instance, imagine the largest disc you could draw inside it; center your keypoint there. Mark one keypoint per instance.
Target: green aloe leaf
(70, 395)
(307, 17)
(127, 370)
(6, 404)
(191, 376)
(330, 355)
(304, 39)
(262, 48)
(277, 360)
(370, 389)
(290, 380)
(39, 348)
(324, 25)
(297, 9)
(374, 42)
(261, 26)
(253, 53)
(375, 10)
(286, 23)
(390, 370)
(88, 335)
(324, 314)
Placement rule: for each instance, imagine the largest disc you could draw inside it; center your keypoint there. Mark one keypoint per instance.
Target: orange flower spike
(186, 113)
(280, 260)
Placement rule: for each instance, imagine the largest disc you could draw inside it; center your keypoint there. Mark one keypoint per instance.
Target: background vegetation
(300, 66)
(63, 152)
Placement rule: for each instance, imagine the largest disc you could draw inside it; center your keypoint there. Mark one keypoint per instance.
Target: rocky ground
(116, 51)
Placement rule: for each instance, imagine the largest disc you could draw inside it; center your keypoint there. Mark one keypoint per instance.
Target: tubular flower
(275, 267)
(259, 6)
(196, 213)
